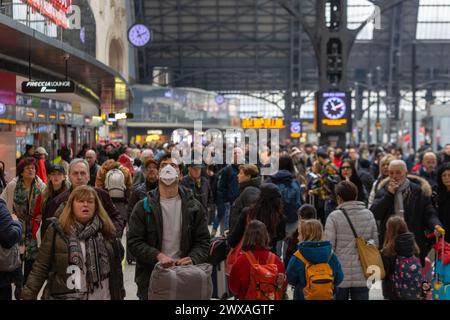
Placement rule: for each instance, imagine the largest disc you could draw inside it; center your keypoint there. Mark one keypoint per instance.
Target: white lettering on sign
(55, 10)
(36, 84)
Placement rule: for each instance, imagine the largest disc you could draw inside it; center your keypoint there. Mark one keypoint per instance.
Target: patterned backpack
(407, 278)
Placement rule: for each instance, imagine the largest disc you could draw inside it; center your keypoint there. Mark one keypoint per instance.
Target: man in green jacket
(168, 227)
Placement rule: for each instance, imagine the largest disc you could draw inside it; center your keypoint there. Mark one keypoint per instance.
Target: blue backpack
(289, 196)
(407, 279)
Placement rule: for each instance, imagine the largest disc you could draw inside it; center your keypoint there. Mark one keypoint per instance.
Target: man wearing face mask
(168, 227)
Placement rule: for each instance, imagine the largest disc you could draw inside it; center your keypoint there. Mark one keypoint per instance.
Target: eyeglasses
(31, 168)
(346, 168)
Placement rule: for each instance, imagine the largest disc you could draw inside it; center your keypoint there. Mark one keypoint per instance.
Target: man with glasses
(79, 176)
(169, 226)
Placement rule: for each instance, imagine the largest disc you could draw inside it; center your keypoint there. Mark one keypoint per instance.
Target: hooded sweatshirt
(291, 193)
(315, 253)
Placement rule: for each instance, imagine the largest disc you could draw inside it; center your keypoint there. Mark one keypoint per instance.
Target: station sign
(54, 10)
(260, 123)
(333, 112)
(50, 86)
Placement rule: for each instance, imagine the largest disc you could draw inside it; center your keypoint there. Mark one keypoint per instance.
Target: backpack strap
(271, 259)
(147, 208)
(302, 258)
(250, 257)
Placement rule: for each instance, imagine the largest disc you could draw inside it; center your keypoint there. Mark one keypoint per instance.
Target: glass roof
(358, 12)
(433, 22)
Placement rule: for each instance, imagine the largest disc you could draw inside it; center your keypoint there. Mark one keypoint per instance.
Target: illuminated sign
(333, 112)
(113, 117)
(48, 86)
(2, 108)
(276, 123)
(151, 132)
(54, 10)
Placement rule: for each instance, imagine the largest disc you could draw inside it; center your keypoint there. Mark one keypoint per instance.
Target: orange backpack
(266, 283)
(319, 279)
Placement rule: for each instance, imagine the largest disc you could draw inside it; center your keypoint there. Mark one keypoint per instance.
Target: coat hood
(253, 182)
(404, 244)
(282, 176)
(316, 252)
(421, 182)
(353, 206)
(110, 164)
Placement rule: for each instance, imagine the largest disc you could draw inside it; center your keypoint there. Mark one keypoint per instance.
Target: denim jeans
(222, 218)
(361, 293)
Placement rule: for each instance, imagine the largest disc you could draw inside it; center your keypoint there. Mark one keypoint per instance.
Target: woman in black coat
(442, 201)
(348, 172)
(10, 234)
(267, 209)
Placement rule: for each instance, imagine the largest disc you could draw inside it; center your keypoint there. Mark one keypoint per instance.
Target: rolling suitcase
(441, 283)
(220, 282)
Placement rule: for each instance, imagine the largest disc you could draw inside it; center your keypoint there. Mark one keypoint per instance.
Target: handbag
(369, 255)
(10, 259)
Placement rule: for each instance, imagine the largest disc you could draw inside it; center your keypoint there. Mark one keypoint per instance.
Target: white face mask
(168, 175)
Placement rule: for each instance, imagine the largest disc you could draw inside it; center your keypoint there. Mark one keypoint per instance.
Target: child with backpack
(314, 270)
(258, 274)
(403, 280)
(305, 212)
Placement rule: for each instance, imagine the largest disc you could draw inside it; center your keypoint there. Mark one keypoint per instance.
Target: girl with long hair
(348, 172)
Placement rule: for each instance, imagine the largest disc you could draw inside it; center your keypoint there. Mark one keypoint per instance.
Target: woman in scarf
(20, 196)
(79, 249)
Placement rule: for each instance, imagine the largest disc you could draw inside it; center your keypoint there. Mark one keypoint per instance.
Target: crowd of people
(73, 212)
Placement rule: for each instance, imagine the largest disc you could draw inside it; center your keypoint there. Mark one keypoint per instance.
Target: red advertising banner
(55, 10)
(7, 88)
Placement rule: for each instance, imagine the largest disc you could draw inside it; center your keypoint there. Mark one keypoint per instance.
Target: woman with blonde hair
(79, 249)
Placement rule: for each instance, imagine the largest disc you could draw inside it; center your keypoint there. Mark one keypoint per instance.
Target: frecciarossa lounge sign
(55, 10)
(48, 86)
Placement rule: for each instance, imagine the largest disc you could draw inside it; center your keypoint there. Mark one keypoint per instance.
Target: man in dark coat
(428, 169)
(91, 158)
(199, 185)
(408, 197)
(79, 176)
(169, 210)
(365, 175)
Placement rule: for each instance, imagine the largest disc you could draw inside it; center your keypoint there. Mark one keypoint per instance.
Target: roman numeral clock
(139, 35)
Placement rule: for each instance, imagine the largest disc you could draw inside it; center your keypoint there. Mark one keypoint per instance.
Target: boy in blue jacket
(315, 251)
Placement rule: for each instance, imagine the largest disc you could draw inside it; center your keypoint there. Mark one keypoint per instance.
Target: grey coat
(339, 233)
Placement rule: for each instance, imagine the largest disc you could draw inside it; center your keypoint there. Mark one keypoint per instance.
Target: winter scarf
(24, 202)
(97, 266)
(400, 195)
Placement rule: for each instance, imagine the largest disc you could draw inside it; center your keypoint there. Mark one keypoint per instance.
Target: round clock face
(334, 108)
(139, 35)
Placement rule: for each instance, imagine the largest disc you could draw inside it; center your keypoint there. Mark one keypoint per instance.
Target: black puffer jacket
(248, 194)
(404, 247)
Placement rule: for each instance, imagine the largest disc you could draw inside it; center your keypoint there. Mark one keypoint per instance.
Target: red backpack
(266, 282)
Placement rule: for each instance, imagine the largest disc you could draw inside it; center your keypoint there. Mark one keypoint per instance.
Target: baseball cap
(57, 168)
(41, 150)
